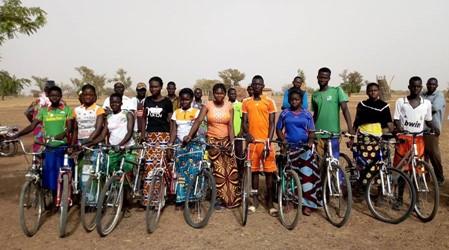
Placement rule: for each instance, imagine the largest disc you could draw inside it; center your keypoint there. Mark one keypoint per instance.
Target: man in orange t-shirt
(258, 125)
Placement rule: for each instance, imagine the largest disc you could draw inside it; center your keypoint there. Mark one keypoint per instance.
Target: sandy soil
(224, 229)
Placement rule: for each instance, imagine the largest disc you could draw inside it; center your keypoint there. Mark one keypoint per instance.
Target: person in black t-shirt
(158, 111)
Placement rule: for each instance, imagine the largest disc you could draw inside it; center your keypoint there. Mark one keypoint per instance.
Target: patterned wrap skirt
(225, 172)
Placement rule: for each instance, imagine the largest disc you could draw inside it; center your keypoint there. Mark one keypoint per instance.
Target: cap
(50, 83)
(141, 85)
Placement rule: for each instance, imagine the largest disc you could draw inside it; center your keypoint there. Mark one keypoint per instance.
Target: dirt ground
(224, 230)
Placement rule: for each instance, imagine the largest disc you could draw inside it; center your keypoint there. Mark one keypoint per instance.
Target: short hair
(218, 86)
(156, 79)
(432, 79)
(324, 70)
(258, 77)
(89, 86)
(413, 79)
(55, 88)
(293, 91)
(371, 84)
(230, 89)
(119, 83)
(186, 91)
(298, 77)
(171, 83)
(115, 95)
(198, 89)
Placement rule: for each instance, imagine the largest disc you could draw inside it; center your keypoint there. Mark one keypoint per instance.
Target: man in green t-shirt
(326, 105)
(57, 126)
(238, 145)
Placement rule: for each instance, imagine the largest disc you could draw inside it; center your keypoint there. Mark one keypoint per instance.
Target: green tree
(11, 85)
(121, 76)
(352, 81)
(88, 76)
(206, 85)
(16, 19)
(40, 82)
(231, 77)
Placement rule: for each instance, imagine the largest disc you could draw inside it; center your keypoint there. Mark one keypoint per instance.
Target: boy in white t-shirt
(410, 114)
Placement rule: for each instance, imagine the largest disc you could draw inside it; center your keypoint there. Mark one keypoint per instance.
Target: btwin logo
(412, 124)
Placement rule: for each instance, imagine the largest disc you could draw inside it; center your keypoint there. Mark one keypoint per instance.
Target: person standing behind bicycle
(158, 111)
(295, 127)
(297, 82)
(258, 125)
(371, 118)
(188, 156)
(432, 142)
(57, 122)
(220, 132)
(326, 105)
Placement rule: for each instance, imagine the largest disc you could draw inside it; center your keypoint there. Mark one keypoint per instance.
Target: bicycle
(110, 201)
(201, 193)
(337, 194)
(8, 147)
(424, 180)
(382, 182)
(161, 185)
(289, 185)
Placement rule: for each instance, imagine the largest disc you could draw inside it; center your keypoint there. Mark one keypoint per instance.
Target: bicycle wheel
(31, 207)
(64, 205)
(246, 191)
(337, 196)
(200, 199)
(109, 207)
(290, 200)
(427, 192)
(9, 149)
(384, 197)
(89, 198)
(156, 200)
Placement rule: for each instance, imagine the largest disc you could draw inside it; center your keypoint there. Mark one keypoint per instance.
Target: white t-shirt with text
(412, 119)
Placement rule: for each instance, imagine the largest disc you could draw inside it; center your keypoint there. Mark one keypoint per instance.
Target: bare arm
(28, 129)
(271, 120)
(98, 128)
(196, 125)
(231, 126)
(347, 115)
(173, 130)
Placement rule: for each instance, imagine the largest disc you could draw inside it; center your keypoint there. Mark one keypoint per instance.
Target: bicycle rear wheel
(200, 199)
(384, 198)
(64, 205)
(156, 200)
(89, 201)
(290, 200)
(31, 207)
(246, 191)
(109, 207)
(337, 196)
(427, 192)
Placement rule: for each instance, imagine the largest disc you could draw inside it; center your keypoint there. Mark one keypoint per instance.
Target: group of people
(185, 119)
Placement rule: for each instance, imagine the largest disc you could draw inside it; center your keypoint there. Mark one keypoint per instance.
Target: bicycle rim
(156, 197)
(89, 200)
(427, 192)
(8, 149)
(337, 196)
(31, 207)
(390, 198)
(200, 200)
(109, 208)
(64, 205)
(290, 199)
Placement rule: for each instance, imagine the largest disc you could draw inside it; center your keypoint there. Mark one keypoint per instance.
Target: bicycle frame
(73, 185)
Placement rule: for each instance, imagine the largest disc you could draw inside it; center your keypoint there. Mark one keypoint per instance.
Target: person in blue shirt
(295, 127)
(297, 82)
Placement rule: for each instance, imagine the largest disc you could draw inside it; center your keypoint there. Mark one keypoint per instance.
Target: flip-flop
(273, 212)
(252, 209)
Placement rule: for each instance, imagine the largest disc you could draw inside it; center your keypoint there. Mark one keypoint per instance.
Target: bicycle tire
(37, 203)
(428, 176)
(204, 180)
(112, 191)
(89, 208)
(246, 192)
(375, 197)
(346, 194)
(153, 211)
(9, 149)
(291, 191)
(64, 205)
(346, 163)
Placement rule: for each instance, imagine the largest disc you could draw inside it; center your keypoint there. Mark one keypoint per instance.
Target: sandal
(273, 212)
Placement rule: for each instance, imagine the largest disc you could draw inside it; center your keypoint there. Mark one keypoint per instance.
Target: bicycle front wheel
(31, 207)
(290, 199)
(427, 192)
(246, 191)
(9, 149)
(89, 201)
(109, 207)
(390, 196)
(200, 199)
(64, 205)
(156, 200)
(337, 196)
